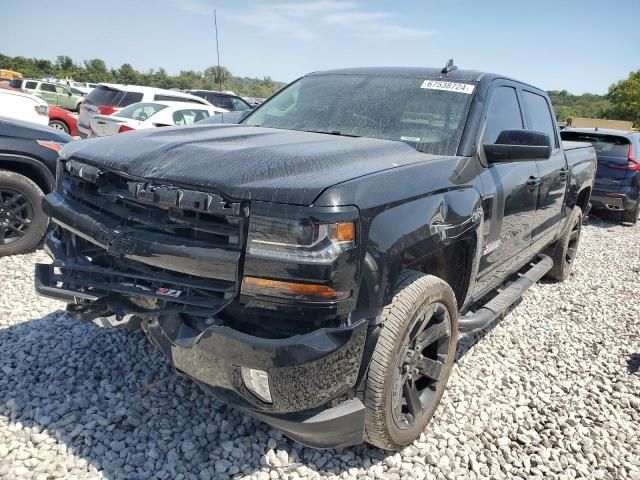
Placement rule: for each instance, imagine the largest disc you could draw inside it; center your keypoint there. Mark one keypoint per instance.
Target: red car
(61, 119)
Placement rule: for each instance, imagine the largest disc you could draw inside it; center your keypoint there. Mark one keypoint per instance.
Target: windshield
(427, 115)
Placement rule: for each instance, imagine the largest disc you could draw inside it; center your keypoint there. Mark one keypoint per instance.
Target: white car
(109, 98)
(149, 115)
(22, 106)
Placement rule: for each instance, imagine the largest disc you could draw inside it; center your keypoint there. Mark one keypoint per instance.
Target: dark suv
(617, 185)
(222, 100)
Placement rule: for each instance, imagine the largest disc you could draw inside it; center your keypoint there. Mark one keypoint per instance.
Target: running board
(482, 317)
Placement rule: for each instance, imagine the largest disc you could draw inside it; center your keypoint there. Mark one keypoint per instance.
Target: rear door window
(30, 85)
(540, 115)
(48, 87)
(222, 101)
(503, 114)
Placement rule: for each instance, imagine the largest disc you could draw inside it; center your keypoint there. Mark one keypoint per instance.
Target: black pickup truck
(314, 264)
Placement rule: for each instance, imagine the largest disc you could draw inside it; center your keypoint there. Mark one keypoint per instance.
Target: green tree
(625, 99)
(128, 75)
(64, 63)
(95, 70)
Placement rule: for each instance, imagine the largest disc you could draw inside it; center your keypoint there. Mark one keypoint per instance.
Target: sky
(581, 46)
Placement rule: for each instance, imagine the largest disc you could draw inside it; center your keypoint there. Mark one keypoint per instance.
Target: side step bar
(482, 317)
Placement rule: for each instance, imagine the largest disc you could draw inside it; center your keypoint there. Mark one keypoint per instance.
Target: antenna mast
(215, 21)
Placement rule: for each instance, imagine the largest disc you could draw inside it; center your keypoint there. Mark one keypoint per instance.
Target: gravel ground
(552, 391)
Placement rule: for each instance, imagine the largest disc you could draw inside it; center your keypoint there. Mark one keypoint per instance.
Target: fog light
(258, 382)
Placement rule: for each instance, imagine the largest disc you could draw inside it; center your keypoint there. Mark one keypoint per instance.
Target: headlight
(307, 240)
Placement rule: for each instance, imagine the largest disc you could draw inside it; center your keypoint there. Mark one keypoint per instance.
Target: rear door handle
(533, 182)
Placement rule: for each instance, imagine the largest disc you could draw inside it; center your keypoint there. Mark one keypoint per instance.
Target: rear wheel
(411, 362)
(22, 221)
(631, 215)
(563, 252)
(59, 125)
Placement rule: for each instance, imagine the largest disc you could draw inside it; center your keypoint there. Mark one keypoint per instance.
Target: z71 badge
(167, 292)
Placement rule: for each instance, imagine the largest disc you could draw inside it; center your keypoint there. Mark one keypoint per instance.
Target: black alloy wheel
(16, 215)
(412, 360)
(421, 364)
(574, 237)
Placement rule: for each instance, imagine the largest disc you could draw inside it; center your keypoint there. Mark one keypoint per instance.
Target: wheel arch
(437, 234)
(583, 198)
(30, 168)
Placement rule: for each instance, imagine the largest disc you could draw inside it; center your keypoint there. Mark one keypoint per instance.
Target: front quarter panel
(408, 214)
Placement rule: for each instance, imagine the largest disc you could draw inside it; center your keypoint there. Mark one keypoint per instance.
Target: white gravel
(552, 391)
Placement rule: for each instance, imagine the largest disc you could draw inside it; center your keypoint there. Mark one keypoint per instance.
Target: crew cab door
(510, 193)
(47, 91)
(552, 172)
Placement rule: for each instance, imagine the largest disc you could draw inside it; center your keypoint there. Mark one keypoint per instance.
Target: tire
(631, 216)
(563, 251)
(22, 221)
(59, 125)
(424, 309)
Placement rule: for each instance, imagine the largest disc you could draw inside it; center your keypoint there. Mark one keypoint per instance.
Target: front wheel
(59, 125)
(412, 360)
(22, 221)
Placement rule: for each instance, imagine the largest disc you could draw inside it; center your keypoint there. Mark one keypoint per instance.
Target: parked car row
(107, 99)
(143, 115)
(53, 93)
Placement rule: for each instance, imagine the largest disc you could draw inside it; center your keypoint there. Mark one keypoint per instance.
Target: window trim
(529, 124)
(495, 84)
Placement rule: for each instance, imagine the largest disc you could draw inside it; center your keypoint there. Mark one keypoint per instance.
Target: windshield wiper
(333, 132)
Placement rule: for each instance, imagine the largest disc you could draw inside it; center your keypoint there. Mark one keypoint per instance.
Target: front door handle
(533, 182)
(564, 174)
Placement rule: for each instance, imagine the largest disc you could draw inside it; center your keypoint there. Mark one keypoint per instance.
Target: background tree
(625, 99)
(95, 70)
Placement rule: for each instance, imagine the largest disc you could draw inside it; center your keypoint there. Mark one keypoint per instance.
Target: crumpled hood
(243, 162)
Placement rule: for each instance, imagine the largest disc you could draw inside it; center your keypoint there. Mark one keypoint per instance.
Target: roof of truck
(426, 72)
(464, 75)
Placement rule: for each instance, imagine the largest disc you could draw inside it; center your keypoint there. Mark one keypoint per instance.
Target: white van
(22, 106)
(108, 98)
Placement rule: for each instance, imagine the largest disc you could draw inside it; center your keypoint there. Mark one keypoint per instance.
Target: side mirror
(518, 146)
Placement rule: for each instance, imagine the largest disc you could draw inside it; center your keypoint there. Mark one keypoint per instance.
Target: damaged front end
(174, 258)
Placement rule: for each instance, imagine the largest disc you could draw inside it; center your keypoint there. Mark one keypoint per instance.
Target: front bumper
(311, 376)
(306, 374)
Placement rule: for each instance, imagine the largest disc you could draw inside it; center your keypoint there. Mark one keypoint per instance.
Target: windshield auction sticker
(448, 86)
